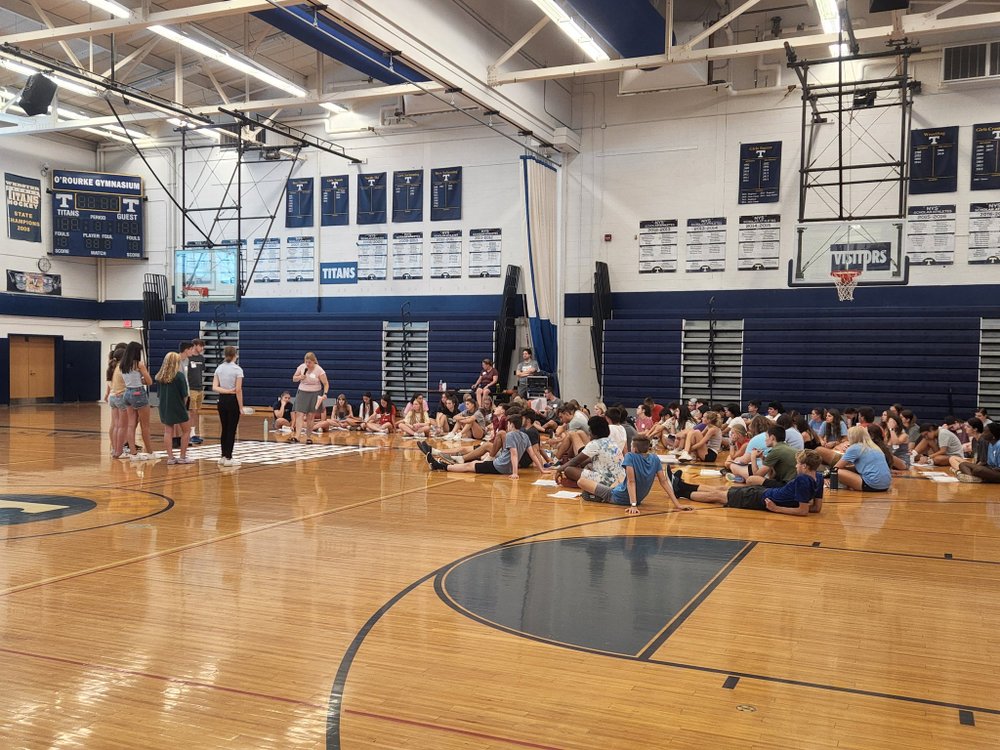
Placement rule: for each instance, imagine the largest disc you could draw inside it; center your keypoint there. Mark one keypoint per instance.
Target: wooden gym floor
(355, 600)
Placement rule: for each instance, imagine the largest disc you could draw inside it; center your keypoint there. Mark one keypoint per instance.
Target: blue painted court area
(16, 509)
(609, 593)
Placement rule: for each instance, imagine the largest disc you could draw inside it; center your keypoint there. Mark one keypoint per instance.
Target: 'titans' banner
(24, 208)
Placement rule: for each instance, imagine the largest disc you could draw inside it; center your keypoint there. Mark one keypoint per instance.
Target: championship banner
(485, 253)
(446, 254)
(934, 160)
(300, 259)
(373, 256)
(760, 172)
(759, 243)
(446, 194)
(299, 203)
(930, 235)
(334, 200)
(408, 196)
(24, 282)
(371, 198)
(984, 233)
(408, 255)
(706, 244)
(24, 208)
(986, 156)
(658, 246)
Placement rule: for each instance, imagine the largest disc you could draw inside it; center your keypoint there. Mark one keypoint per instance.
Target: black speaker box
(37, 95)
(883, 6)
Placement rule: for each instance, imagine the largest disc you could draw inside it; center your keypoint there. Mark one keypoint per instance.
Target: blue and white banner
(446, 194)
(759, 242)
(335, 200)
(338, 273)
(760, 172)
(24, 208)
(300, 259)
(446, 254)
(930, 235)
(371, 198)
(706, 245)
(299, 203)
(658, 246)
(984, 233)
(408, 196)
(485, 253)
(934, 160)
(373, 256)
(986, 156)
(408, 255)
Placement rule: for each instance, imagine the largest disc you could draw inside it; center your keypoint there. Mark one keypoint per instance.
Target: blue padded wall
(164, 336)
(455, 350)
(642, 358)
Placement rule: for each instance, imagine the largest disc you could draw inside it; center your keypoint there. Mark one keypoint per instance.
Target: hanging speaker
(883, 6)
(37, 95)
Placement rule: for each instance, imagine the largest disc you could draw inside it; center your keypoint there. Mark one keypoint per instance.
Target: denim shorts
(136, 398)
(117, 401)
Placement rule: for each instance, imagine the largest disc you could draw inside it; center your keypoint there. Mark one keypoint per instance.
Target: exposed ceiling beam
(192, 14)
(43, 16)
(912, 26)
(934, 13)
(516, 47)
(725, 20)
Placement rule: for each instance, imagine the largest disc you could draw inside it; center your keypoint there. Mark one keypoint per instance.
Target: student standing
(136, 397)
(228, 383)
(173, 392)
(313, 387)
(196, 387)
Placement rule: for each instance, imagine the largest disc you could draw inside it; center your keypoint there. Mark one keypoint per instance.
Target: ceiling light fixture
(109, 6)
(829, 15)
(573, 30)
(224, 57)
(214, 135)
(333, 107)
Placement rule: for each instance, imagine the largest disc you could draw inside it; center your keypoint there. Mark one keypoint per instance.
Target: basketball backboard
(873, 248)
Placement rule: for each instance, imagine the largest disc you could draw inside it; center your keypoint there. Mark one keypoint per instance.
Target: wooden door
(32, 368)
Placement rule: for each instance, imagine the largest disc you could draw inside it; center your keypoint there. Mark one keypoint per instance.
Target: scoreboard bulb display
(97, 215)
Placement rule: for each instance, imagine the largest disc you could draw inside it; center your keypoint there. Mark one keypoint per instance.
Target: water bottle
(441, 386)
(834, 478)
(444, 386)
(266, 425)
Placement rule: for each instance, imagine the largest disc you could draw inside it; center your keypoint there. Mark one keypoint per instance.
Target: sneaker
(587, 496)
(735, 478)
(173, 460)
(424, 447)
(195, 440)
(185, 460)
(234, 464)
(972, 479)
(223, 461)
(487, 456)
(685, 456)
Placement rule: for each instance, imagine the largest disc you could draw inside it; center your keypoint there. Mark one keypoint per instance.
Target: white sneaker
(232, 463)
(223, 461)
(685, 456)
(141, 457)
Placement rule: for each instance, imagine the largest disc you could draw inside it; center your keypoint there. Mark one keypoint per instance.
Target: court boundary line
(204, 542)
(170, 504)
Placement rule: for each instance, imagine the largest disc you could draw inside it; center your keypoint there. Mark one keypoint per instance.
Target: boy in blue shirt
(641, 469)
(799, 497)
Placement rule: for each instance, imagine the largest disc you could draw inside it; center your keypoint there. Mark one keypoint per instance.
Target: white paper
(667, 458)
(945, 479)
(546, 483)
(565, 495)
(710, 473)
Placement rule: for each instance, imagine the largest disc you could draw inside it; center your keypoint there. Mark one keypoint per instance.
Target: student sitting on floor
(705, 444)
(974, 429)
(643, 421)
(986, 466)
(517, 452)
(641, 469)
(384, 418)
(792, 436)
(616, 417)
(799, 497)
(897, 438)
(862, 466)
(816, 419)
(446, 413)
(600, 461)
(983, 416)
(341, 416)
(833, 434)
(417, 421)
(878, 438)
(938, 445)
(282, 410)
(744, 464)
(778, 463)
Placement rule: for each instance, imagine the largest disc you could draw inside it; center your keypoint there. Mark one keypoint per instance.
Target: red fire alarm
(607, 238)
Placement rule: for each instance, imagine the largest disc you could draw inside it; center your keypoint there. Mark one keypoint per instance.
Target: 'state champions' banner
(24, 208)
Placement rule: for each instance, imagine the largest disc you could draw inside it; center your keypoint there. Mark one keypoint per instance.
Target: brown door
(32, 369)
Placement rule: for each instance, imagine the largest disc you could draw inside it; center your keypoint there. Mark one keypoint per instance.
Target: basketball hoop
(846, 282)
(194, 295)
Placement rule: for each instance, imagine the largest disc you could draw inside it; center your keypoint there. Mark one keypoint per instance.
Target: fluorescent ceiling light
(839, 50)
(572, 29)
(333, 107)
(106, 134)
(15, 67)
(77, 87)
(109, 6)
(214, 135)
(119, 129)
(829, 15)
(232, 61)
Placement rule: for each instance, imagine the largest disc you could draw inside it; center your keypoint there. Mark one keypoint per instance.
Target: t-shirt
(643, 423)
(630, 432)
(578, 422)
(870, 464)
(605, 461)
(913, 433)
(487, 376)
(524, 365)
(950, 442)
(817, 425)
(822, 431)
(993, 455)
(656, 412)
(803, 488)
(449, 413)
(499, 423)
(385, 416)
(515, 440)
(757, 442)
(781, 460)
(310, 382)
(227, 373)
(737, 420)
(196, 372)
(645, 466)
(619, 435)
(794, 438)
(287, 413)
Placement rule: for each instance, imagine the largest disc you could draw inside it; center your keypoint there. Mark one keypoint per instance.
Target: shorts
(117, 401)
(746, 498)
(488, 467)
(603, 494)
(305, 401)
(711, 455)
(865, 487)
(195, 399)
(136, 398)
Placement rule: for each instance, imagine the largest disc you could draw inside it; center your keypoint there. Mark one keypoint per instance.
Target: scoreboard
(97, 215)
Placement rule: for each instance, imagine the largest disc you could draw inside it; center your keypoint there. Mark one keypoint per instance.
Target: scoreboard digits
(96, 215)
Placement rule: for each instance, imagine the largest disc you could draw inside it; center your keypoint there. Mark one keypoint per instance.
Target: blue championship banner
(986, 156)
(408, 196)
(24, 208)
(299, 203)
(335, 197)
(446, 194)
(97, 215)
(760, 172)
(371, 198)
(934, 160)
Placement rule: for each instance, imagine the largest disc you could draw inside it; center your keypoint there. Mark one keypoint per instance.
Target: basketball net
(846, 282)
(193, 295)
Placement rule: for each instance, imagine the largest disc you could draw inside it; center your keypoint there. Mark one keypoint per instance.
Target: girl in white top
(416, 422)
(136, 397)
(228, 383)
(313, 387)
